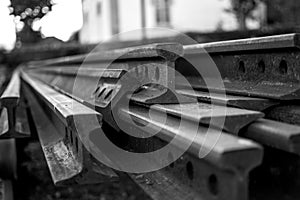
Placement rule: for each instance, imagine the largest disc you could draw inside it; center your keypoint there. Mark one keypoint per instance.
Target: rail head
(65, 107)
(252, 44)
(207, 114)
(223, 150)
(275, 134)
(68, 160)
(167, 51)
(11, 95)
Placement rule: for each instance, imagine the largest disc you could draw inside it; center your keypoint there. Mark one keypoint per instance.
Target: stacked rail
(13, 124)
(250, 136)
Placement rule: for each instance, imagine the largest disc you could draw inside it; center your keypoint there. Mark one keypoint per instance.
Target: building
(103, 19)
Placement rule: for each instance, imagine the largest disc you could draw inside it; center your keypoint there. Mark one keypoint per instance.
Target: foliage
(27, 11)
(242, 6)
(242, 9)
(30, 8)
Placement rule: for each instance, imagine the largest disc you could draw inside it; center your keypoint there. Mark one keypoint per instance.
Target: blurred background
(39, 29)
(83, 22)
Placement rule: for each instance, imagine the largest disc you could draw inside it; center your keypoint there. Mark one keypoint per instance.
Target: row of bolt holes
(110, 91)
(261, 67)
(69, 136)
(212, 181)
(102, 92)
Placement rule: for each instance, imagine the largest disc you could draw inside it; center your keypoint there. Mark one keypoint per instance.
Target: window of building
(162, 9)
(99, 8)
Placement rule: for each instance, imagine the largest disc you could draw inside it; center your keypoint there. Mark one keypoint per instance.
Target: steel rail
(168, 51)
(144, 64)
(274, 134)
(63, 79)
(288, 113)
(243, 102)
(252, 44)
(13, 119)
(222, 174)
(109, 87)
(6, 189)
(160, 57)
(202, 113)
(91, 89)
(225, 162)
(8, 159)
(54, 113)
(264, 67)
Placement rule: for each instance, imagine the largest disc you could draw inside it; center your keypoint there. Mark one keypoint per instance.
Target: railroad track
(242, 145)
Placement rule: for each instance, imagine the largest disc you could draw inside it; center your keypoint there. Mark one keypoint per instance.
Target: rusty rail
(264, 67)
(13, 119)
(260, 75)
(67, 158)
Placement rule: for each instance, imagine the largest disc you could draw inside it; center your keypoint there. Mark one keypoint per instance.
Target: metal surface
(251, 44)
(260, 67)
(153, 94)
(94, 91)
(285, 113)
(8, 159)
(274, 134)
(6, 190)
(222, 174)
(243, 102)
(53, 113)
(258, 73)
(150, 62)
(168, 51)
(3, 77)
(13, 118)
(202, 113)
(95, 85)
(11, 94)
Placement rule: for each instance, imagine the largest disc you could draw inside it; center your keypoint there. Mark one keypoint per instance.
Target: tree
(242, 9)
(28, 11)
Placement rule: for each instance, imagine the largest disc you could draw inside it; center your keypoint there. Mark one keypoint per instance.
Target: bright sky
(64, 20)
(204, 14)
(7, 30)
